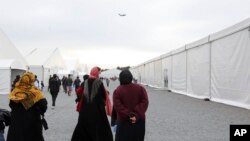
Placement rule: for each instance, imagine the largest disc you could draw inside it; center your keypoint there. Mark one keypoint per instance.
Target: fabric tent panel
(198, 43)
(15, 72)
(179, 73)
(151, 73)
(179, 50)
(8, 50)
(46, 76)
(38, 71)
(46, 57)
(230, 69)
(5, 81)
(157, 73)
(142, 74)
(39, 56)
(12, 64)
(56, 61)
(230, 30)
(198, 72)
(147, 72)
(166, 72)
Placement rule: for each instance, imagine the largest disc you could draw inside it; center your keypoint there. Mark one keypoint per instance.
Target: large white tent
(215, 67)
(12, 63)
(74, 68)
(110, 73)
(45, 62)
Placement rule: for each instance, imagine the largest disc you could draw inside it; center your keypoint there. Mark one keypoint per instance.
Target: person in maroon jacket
(130, 103)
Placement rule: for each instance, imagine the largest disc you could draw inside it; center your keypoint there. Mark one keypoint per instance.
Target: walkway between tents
(170, 117)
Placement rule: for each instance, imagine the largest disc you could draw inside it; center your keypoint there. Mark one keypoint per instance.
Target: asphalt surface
(170, 117)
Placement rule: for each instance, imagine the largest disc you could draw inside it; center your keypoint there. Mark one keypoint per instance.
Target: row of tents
(41, 61)
(216, 67)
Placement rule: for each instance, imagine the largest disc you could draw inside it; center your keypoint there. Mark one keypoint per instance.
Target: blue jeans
(1, 136)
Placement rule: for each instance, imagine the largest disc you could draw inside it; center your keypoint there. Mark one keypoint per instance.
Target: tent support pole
(210, 67)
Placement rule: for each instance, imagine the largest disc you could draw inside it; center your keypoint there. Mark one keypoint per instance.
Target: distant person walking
(107, 82)
(28, 106)
(130, 103)
(77, 83)
(69, 83)
(37, 83)
(79, 93)
(4, 121)
(93, 124)
(64, 79)
(54, 86)
(15, 81)
(42, 85)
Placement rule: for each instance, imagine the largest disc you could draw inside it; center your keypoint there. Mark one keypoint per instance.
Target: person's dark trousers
(127, 131)
(54, 96)
(1, 135)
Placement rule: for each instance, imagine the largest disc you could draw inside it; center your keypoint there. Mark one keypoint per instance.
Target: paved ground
(170, 117)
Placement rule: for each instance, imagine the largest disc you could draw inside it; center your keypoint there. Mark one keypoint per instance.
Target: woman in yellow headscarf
(28, 105)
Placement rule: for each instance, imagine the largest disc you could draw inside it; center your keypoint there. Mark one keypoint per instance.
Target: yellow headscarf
(25, 91)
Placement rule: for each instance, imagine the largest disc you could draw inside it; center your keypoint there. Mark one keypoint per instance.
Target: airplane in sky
(122, 15)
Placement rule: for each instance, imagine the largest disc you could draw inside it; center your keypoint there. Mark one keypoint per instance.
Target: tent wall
(151, 73)
(167, 72)
(157, 75)
(15, 72)
(179, 82)
(215, 67)
(7, 76)
(37, 71)
(5, 81)
(231, 70)
(198, 73)
(46, 76)
(42, 73)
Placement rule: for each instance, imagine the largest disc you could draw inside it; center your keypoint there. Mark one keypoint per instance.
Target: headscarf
(125, 77)
(94, 73)
(25, 91)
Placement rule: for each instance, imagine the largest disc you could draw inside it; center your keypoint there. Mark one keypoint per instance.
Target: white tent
(12, 63)
(110, 73)
(74, 68)
(215, 67)
(44, 62)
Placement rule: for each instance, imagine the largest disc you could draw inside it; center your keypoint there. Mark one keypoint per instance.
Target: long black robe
(26, 125)
(93, 124)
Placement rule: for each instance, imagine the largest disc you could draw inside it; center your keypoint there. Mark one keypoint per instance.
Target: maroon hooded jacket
(130, 99)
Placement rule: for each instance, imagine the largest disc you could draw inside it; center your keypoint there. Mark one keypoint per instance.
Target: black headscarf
(125, 77)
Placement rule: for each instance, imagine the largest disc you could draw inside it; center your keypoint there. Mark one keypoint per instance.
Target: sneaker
(53, 107)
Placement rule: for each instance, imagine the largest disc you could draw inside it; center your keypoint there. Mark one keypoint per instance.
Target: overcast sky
(92, 30)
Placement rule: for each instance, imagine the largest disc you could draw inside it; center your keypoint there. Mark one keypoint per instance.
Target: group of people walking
(130, 103)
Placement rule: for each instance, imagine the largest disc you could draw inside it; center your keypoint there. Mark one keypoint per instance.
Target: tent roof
(230, 30)
(9, 51)
(47, 57)
(111, 73)
(11, 63)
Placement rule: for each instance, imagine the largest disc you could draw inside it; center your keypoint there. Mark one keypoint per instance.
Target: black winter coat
(93, 124)
(26, 125)
(54, 85)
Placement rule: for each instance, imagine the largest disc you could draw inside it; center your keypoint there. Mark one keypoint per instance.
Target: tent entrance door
(165, 75)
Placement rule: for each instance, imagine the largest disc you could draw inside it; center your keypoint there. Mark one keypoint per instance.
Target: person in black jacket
(77, 83)
(54, 86)
(28, 106)
(4, 121)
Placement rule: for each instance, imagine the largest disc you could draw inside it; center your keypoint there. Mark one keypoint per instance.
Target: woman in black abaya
(93, 123)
